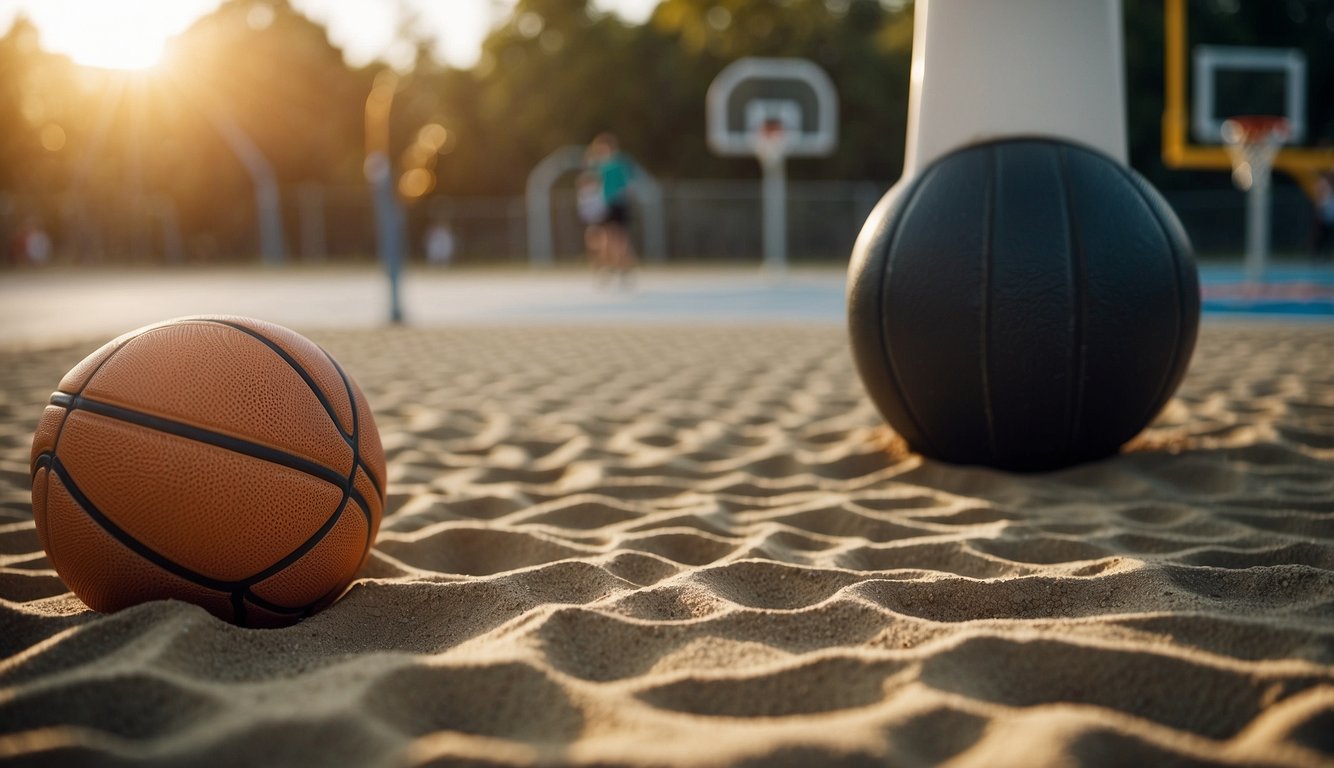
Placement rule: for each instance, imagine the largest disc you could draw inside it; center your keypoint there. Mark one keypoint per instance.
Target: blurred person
(32, 245)
(592, 212)
(615, 173)
(439, 244)
(1322, 241)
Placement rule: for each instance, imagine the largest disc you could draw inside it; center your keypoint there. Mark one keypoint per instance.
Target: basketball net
(770, 142)
(1253, 141)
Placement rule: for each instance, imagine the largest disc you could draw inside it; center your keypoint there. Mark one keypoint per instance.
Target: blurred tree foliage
(554, 73)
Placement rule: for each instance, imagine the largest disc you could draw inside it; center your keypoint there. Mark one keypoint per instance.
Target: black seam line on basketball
(329, 596)
(60, 430)
(1161, 392)
(348, 487)
(990, 200)
(46, 490)
(250, 596)
(375, 484)
(306, 546)
(191, 432)
(237, 598)
(55, 444)
(43, 460)
(1078, 272)
(238, 446)
(300, 371)
(304, 610)
(356, 451)
(909, 198)
(356, 444)
(119, 534)
(356, 496)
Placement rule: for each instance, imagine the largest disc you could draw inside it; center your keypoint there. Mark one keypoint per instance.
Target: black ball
(1024, 304)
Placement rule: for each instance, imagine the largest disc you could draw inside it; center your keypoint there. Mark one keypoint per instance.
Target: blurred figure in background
(439, 244)
(31, 245)
(615, 174)
(1322, 243)
(592, 212)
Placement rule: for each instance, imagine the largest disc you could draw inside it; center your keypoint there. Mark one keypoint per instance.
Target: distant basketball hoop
(1253, 143)
(770, 142)
(772, 109)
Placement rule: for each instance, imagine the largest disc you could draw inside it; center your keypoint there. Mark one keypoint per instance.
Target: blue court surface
(1287, 290)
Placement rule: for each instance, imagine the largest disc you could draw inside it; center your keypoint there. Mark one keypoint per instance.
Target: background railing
(706, 221)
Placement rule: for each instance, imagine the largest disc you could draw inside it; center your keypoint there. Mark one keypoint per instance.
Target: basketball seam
(43, 459)
(134, 545)
(291, 557)
(304, 611)
(252, 450)
(370, 476)
(298, 368)
(238, 589)
(984, 334)
(1162, 393)
(1078, 274)
(909, 198)
(250, 596)
(55, 443)
(348, 486)
(356, 455)
(200, 435)
(356, 434)
(350, 490)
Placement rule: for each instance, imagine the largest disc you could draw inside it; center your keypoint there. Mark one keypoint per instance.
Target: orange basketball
(220, 460)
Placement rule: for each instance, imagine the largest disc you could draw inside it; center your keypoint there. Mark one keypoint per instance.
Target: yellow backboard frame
(1305, 164)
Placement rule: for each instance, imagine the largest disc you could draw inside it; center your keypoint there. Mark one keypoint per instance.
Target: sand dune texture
(701, 547)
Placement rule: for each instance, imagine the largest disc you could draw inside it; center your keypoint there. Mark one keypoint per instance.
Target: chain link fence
(705, 221)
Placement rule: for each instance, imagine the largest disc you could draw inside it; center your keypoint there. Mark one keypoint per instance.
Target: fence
(706, 221)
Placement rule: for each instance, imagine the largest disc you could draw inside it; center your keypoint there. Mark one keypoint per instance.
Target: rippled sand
(701, 547)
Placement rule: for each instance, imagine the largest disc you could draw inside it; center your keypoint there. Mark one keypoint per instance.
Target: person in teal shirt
(616, 173)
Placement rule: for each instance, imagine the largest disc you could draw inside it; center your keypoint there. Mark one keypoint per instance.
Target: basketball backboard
(1229, 58)
(751, 92)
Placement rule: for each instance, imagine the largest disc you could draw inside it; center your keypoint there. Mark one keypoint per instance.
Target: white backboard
(796, 92)
(1287, 65)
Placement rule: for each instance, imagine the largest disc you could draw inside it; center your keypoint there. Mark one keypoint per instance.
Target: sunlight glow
(131, 34)
(113, 35)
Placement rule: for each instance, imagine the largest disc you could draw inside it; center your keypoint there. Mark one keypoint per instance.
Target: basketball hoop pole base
(774, 201)
(1257, 227)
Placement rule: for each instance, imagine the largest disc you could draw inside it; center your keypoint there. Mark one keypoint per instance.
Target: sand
(702, 547)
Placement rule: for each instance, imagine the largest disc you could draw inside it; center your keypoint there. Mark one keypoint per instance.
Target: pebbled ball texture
(1024, 304)
(224, 461)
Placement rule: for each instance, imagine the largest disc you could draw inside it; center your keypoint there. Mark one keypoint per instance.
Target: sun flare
(118, 54)
(120, 35)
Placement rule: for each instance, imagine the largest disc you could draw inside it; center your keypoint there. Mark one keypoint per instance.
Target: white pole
(1257, 225)
(774, 194)
(268, 204)
(983, 69)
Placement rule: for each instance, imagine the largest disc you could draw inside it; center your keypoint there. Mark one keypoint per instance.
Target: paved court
(41, 307)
